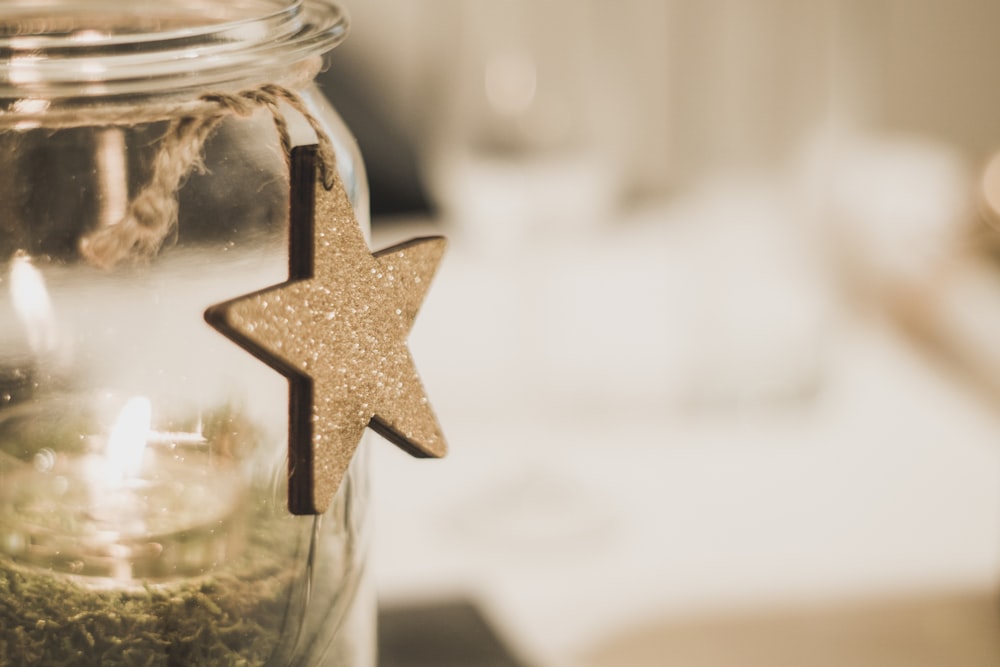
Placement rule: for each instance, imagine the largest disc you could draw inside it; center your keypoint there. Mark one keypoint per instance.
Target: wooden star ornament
(337, 330)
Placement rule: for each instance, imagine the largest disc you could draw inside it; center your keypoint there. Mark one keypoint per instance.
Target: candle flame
(32, 304)
(128, 438)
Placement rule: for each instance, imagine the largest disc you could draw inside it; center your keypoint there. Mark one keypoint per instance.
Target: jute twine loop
(151, 216)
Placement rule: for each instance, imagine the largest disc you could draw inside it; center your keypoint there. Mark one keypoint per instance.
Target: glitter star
(337, 330)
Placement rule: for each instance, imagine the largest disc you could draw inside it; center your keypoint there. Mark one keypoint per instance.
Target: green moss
(233, 617)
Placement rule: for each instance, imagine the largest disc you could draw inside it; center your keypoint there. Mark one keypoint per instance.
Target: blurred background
(717, 341)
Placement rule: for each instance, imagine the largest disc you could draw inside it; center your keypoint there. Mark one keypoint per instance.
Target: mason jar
(143, 456)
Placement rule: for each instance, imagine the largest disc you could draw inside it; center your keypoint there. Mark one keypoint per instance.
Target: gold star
(337, 330)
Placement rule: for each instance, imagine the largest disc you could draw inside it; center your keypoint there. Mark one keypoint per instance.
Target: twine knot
(151, 217)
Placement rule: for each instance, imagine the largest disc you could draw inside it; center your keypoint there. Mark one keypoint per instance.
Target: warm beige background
(698, 83)
(715, 344)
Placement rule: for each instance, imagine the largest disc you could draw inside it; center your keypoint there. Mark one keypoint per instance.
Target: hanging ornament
(337, 330)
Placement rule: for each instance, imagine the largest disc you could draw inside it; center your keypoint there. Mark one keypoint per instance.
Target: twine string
(152, 215)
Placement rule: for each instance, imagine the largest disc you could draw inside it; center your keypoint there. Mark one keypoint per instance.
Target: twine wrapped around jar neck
(151, 216)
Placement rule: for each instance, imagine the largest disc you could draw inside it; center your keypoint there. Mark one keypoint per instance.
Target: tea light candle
(136, 504)
(125, 538)
(134, 544)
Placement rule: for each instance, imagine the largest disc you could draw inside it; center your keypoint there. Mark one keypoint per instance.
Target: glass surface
(143, 456)
(168, 48)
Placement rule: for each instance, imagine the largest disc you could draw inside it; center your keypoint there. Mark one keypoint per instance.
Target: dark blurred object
(394, 177)
(446, 634)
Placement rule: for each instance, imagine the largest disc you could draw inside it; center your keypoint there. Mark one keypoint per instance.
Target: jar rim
(58, 48)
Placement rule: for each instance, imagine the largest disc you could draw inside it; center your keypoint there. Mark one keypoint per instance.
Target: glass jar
(143, 456)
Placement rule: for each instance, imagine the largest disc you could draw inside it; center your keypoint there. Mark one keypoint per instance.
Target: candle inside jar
(133, 504)
(146, 544)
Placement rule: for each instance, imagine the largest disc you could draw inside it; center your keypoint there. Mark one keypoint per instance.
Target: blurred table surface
(604, 529)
